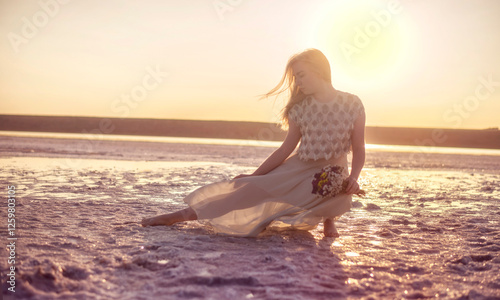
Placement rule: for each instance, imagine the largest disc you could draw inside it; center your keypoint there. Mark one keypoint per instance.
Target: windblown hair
(319, 64)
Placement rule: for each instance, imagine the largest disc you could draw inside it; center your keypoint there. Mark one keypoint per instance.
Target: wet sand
(429, 227)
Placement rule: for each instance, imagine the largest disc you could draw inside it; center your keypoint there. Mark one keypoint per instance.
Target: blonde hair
(319, 63)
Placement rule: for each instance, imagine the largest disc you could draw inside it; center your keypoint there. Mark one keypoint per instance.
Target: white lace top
(326, 126)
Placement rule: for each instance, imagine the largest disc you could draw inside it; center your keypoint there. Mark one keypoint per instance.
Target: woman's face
(308, 81)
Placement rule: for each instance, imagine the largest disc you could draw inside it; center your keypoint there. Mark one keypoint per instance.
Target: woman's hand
(352, 186)
(242, 176)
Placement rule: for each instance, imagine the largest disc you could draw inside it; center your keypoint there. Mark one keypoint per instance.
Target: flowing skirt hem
(282, 198)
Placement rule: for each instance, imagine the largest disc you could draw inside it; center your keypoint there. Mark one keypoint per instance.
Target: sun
(365, 41)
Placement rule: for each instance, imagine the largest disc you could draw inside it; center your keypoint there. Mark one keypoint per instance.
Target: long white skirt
(246, 206)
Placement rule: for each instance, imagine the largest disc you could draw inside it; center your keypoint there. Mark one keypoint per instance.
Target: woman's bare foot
(329, 229)
(170, 219)
(157, 221)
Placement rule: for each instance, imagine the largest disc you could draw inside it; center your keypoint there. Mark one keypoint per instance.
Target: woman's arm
(279, 155)
(358, 153)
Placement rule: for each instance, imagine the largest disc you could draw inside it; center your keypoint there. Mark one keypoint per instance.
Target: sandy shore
(428, 228)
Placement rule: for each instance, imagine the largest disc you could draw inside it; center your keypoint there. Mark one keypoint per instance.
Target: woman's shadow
(279, 263)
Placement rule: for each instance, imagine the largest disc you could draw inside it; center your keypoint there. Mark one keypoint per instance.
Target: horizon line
(232, 121)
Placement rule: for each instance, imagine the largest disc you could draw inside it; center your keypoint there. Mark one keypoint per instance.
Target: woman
(328, 123)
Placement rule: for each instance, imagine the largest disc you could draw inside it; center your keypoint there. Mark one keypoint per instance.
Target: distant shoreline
(436, 137)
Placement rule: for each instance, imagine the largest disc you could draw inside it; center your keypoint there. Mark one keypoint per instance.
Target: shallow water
(239, 142)
(421, 232)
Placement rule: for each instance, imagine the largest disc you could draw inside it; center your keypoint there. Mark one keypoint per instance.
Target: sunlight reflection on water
(38, 163)
(241, 142)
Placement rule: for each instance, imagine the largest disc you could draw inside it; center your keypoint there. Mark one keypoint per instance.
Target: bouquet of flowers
(330, 182)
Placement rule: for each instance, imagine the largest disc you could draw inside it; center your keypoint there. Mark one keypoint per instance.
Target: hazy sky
(413, 63)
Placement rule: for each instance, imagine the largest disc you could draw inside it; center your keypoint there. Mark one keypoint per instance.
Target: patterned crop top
(326, 126)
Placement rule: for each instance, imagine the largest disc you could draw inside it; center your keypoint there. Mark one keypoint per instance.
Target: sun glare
(368, 41)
